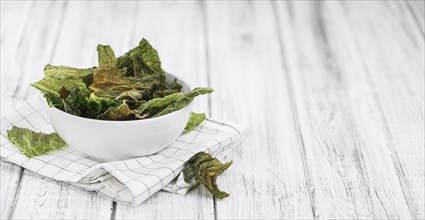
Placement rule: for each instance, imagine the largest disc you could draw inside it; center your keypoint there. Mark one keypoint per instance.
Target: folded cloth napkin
(126, 181)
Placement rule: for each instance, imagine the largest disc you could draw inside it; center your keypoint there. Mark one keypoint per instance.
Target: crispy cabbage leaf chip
(202, 168)
(120, 112)
(131, 86)
(32, 143)
(135, 75)
(106, 56)
(153, 106)
(184, 100)
(141, 60)
(58, 77)
(195, 120)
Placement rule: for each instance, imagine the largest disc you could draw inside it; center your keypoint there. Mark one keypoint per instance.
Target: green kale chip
(32, 143)
(161, 90)
(97, 105)
(153, 106)
(111, 83)
(141, 60)
(76, 102)
(202, 168)
(185, 100)
(121, 112)
(129, 95)
(194, 120)
(59, 81)
(54, 101)
(106, 56)
(66, 72)
(80, 102)
(56, 78)
(134, 82)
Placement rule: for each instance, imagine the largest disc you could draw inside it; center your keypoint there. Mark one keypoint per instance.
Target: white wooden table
(333, 93)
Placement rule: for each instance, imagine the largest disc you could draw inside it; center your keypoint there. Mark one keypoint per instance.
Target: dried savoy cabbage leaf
(106, 56)
(195, 119)
(202, 168)
(184, 100)
(142, 60)
(32, 143)
(128, 87)
(63, 77)
(153, 106)
(120, 112)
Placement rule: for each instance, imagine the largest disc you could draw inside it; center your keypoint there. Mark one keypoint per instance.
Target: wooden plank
(49, 28)
(339, 187)
(197, 204)
(43, 198)
(10, 181)
(13, 19)
(397, 78)
(417, 8)
(267, 180)
(344, 134)
(177, 34)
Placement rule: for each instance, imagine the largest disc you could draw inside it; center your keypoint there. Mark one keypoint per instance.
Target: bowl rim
(145, 120)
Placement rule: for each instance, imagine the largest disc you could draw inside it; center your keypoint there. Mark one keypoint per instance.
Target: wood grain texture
(36, 197)
(15, 42)
(13, 19)
(44, 198)
(345, 141)
(10, 181)
(267, 178)
(397, 79)
(332, 94)
(417, 8)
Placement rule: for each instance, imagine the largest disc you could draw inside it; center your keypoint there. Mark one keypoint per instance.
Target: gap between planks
(15, 197)
(395, 157)
(21, 170)
(294, 110)
(415, 17)
(203, 9)
(397, 162)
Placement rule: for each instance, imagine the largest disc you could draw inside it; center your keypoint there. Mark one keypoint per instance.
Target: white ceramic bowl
(117, 140)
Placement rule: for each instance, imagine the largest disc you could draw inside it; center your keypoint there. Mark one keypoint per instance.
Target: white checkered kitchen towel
(127, 181)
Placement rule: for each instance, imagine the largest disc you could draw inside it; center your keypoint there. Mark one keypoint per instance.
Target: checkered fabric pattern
(127, 181)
